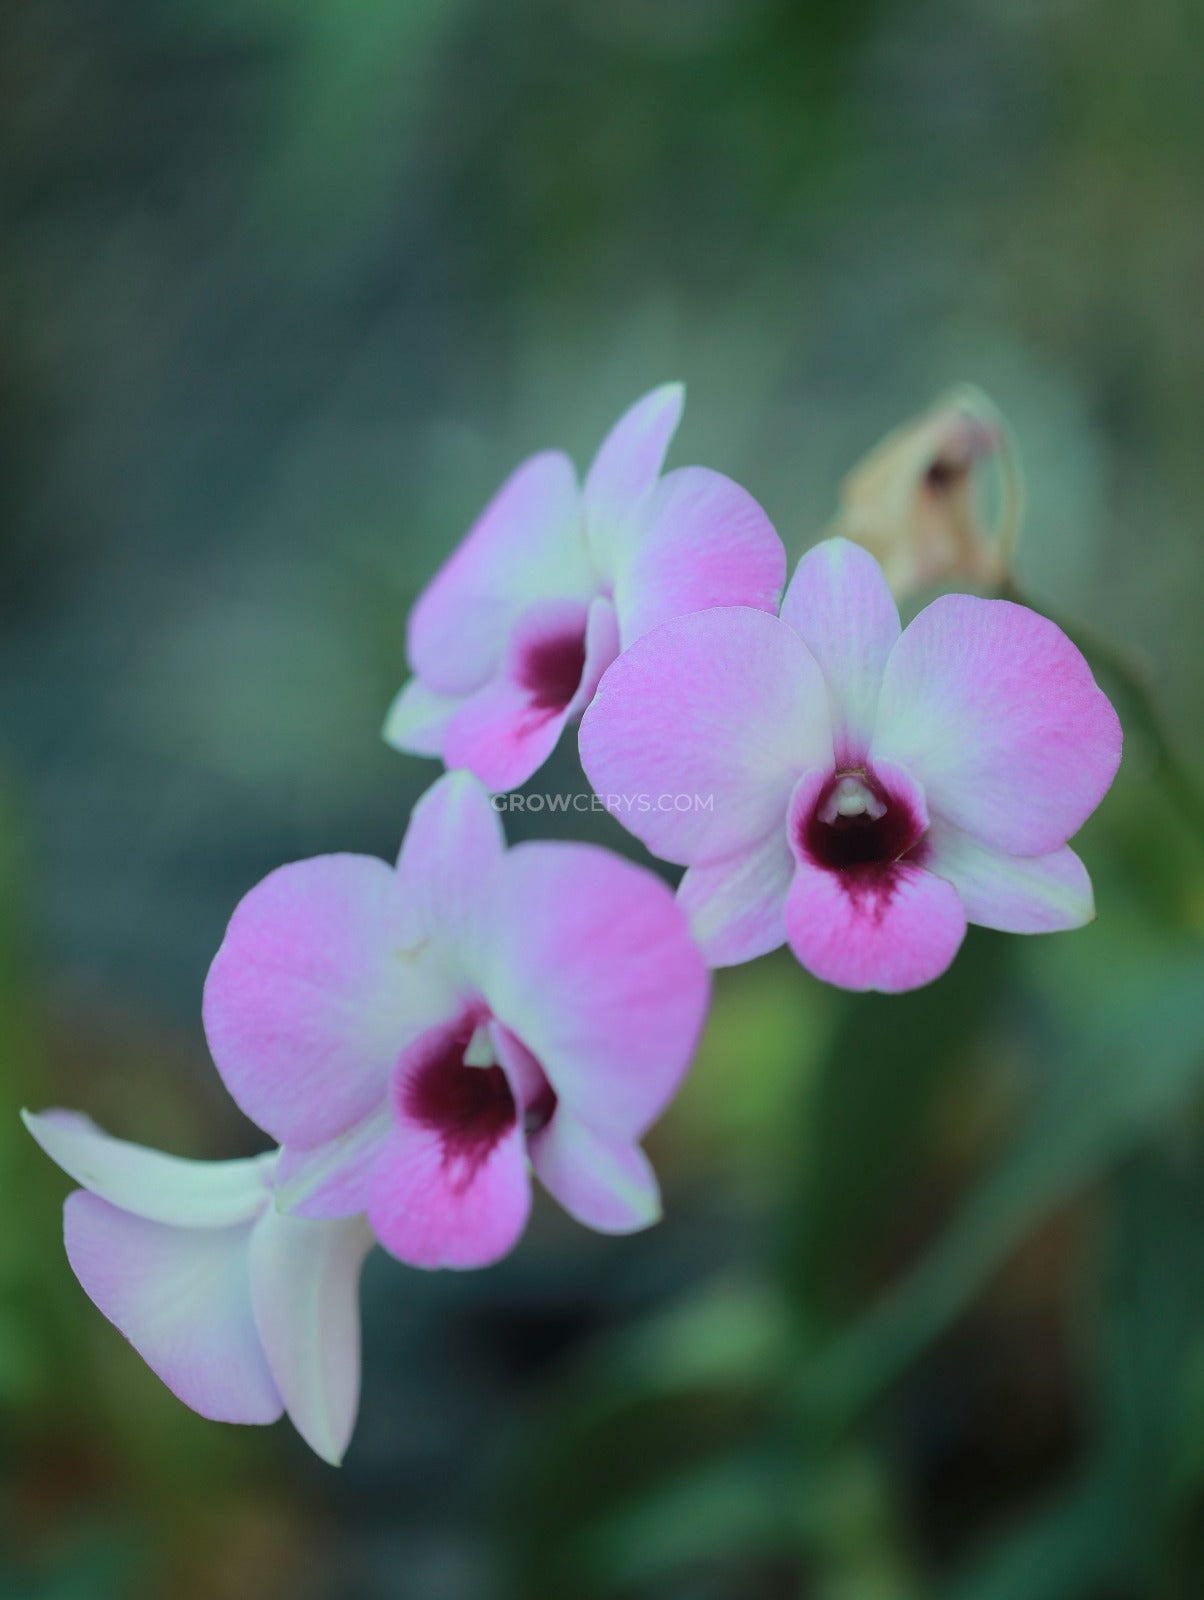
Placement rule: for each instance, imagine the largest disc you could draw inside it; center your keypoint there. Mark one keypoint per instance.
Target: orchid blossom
(243, 1312)
(509, 639)
(873, 790)
(415, 1036)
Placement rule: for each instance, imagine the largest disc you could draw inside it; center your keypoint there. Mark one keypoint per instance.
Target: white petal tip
(665, 393)
(39, 1121)
(329, 1453)
(417, 720)
(395, 728)
(45, 1125)
(642, 1220)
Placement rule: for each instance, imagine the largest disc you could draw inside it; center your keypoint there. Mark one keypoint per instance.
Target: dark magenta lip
(469, 1108)
(551, 668)
(860, 846)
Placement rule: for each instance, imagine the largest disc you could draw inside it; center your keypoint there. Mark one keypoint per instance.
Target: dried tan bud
(915, 501)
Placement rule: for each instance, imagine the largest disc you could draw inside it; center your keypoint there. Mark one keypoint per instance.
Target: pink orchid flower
(243, 1312)
(509, 639)
(873, 791)
(414, 1036)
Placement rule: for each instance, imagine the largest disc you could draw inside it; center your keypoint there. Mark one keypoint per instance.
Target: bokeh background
(286, 287)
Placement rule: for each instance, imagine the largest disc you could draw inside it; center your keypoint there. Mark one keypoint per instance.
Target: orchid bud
(916, 502)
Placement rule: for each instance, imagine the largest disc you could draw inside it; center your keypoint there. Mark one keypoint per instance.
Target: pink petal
(607, 1184)
(333, 1179)
(625, 468)
(313, 994)
(500, 737)
(601, 648)
(839, 604)
(453, 846)
(593, 968)
(996, 713)
(698, 732)
(736, 906)
(1016, 894)
(528, 544)
(506, 731)
(528, 1083)
(451, 1187)
(431, 1209)
(703, 541)
(418, 719)
(161, 1188)
(305, 1293)
(892, 935)
(182, 1297)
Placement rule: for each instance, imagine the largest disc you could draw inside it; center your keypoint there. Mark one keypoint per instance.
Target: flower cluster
(419, 1039)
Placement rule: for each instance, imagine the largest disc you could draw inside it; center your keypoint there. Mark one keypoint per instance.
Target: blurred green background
(286, 287)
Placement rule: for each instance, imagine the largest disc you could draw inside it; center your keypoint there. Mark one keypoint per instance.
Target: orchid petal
(704, 541)
(607, 1184)
(736, 905)
(161, 1188)
(528, 544)
(995, 712)
(891, 934)
(182, 1297)
(624, 470)
(601, 648)
(313, 994)
(431, 1208)
(506, 731)
(453, 847)
(332, 1179)
(1016, 894)
(839, 604)
(418, 719)
(593, 968)
(528, 1083)
(723, 709)
(498, 737)
(305, 1295)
